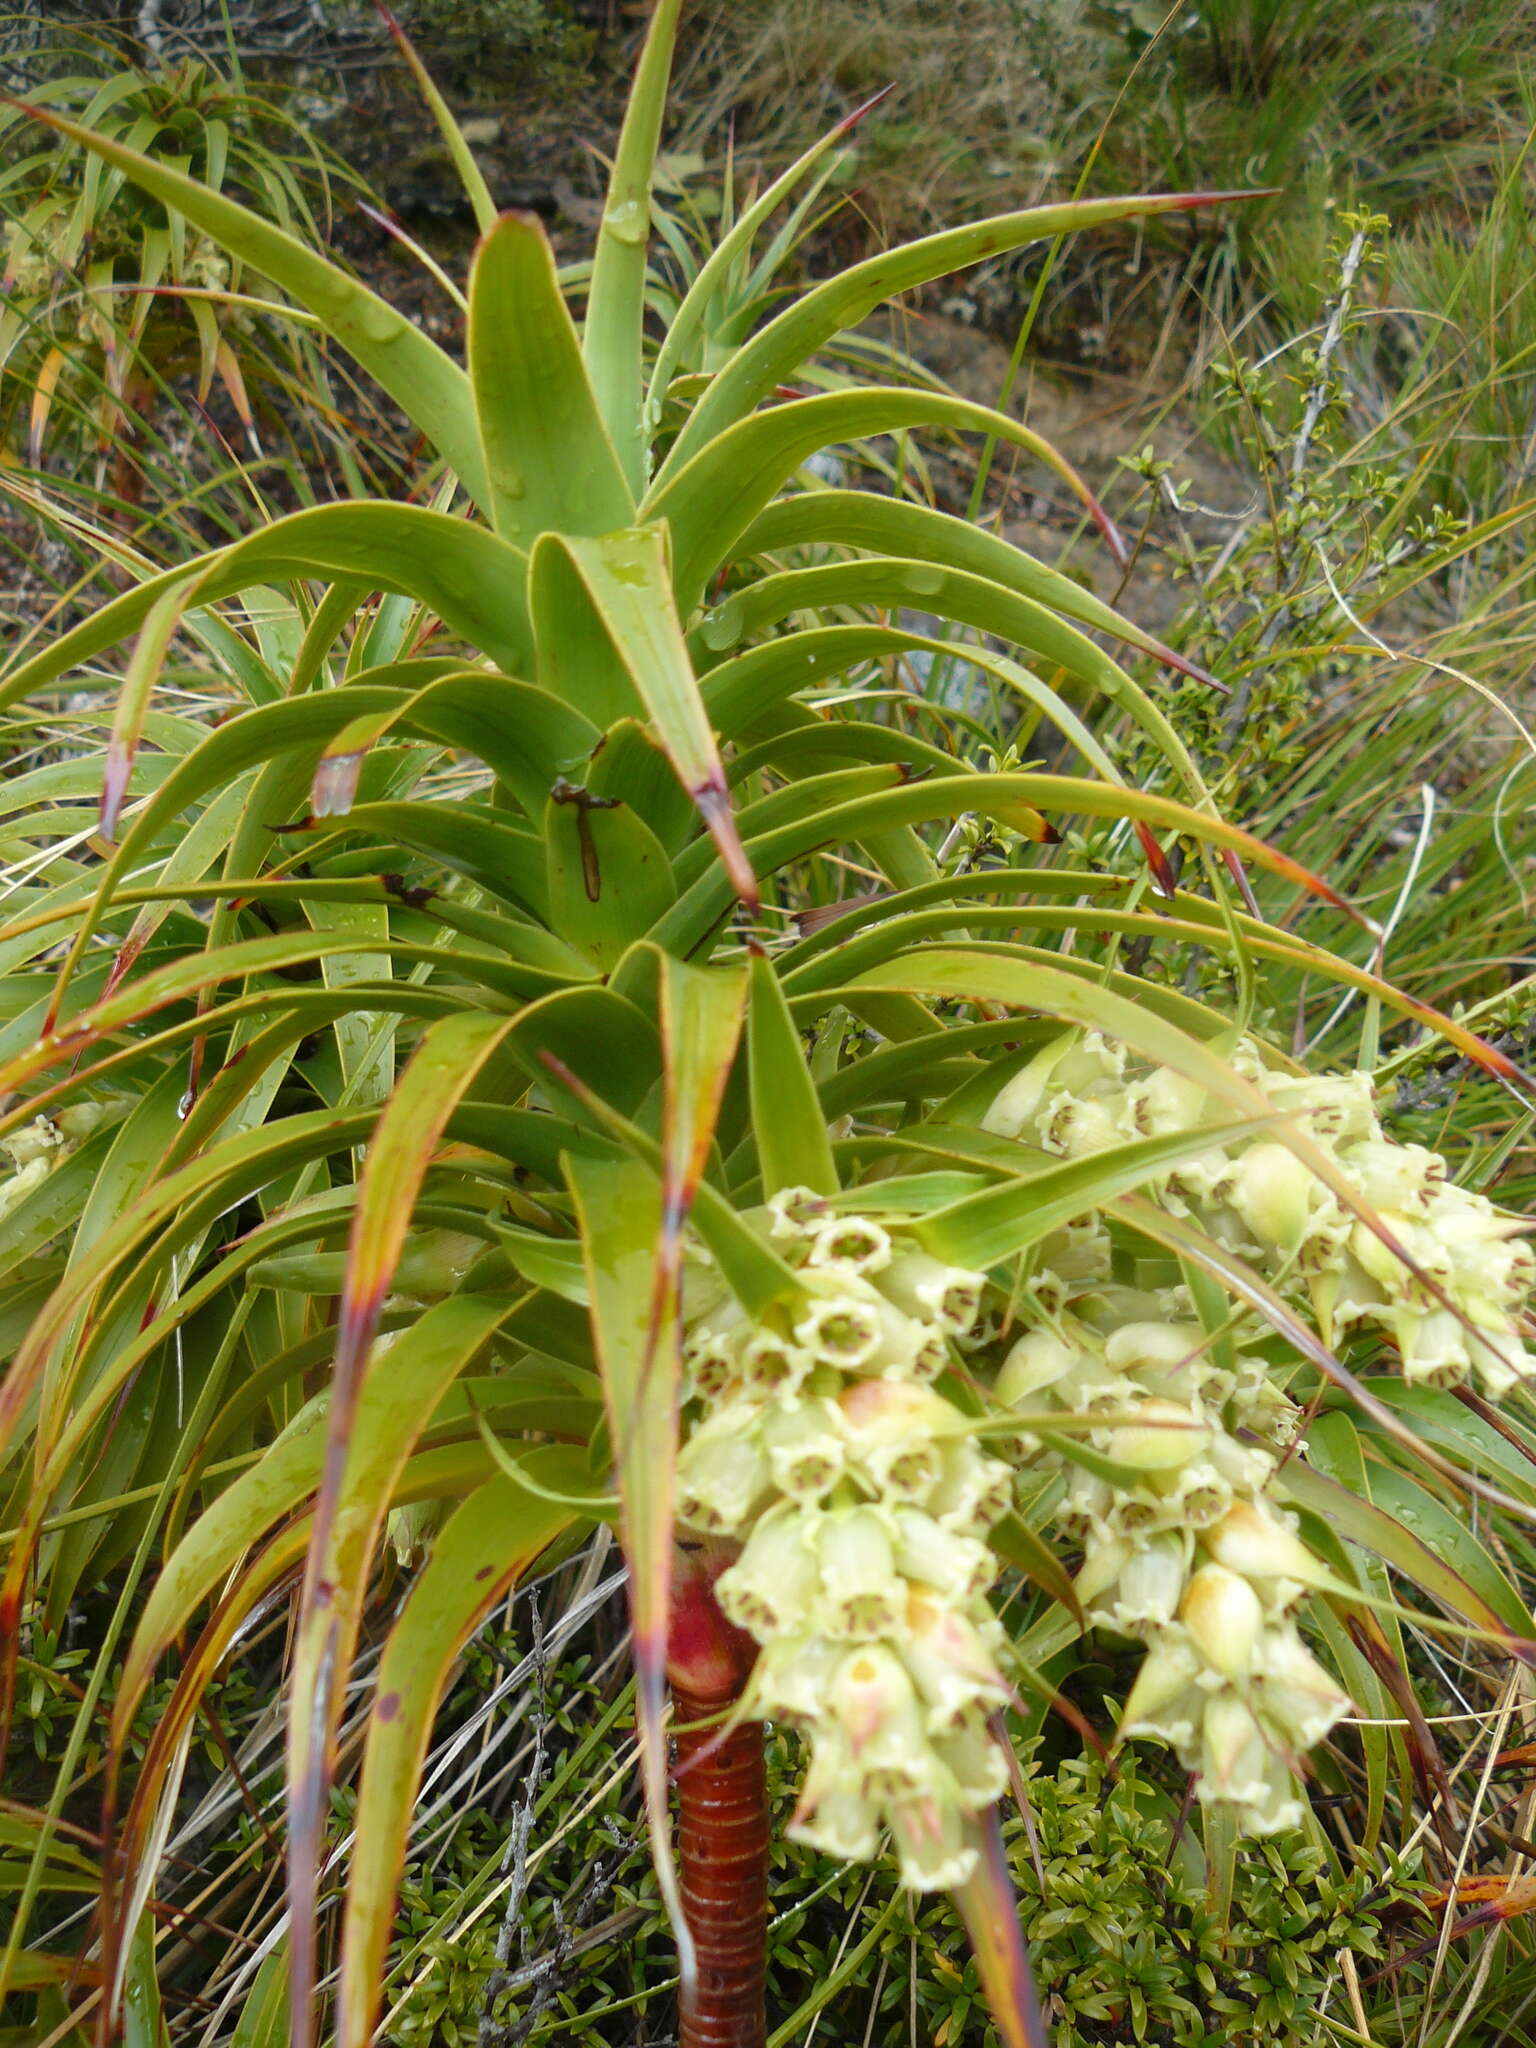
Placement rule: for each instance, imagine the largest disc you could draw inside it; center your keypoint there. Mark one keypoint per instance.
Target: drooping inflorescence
(861, 1500)
(1189, 1553)
(861, 1494)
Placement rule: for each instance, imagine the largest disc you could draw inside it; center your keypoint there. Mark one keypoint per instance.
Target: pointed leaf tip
(715, 809)
(851, 121)
(1157, 861)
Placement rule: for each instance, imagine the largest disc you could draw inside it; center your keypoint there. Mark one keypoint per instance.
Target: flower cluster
(1186, 1555)
(1386, 1242)
(861, 1501)
(1184, 1551)
(33, 1150)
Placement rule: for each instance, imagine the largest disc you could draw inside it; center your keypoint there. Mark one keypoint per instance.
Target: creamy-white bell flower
(1223, 1618)
(861, 1595)
(772, 1588)
(855, 1242)
(1254, 1541)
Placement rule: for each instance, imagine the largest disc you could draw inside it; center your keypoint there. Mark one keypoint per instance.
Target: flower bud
(771, 1588)
(934, 1292)
(1223, 1617)
(1038, 1360)
(1163, 1437)
(861, 1595)
(895, 1411)
(76, 1120)
(1256, 1544)
(1156, 1347)
(1271, 1189)
(1013, 1109)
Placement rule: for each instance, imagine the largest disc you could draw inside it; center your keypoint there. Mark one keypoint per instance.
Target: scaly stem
(722, 1841)
(722, 1791)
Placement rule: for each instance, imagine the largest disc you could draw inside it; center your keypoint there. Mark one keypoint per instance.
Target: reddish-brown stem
(722, 1795)
(722, 1843)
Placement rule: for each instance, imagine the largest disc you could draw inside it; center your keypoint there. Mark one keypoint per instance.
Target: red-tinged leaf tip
(991, 1915)
(1306, 878)
(114, 787)
(851, 121)
(1114, 540)
(334, 789)
(714, 807)
(1184, 202)
(1239, 875)
(1170, 658)
(1157, 861)
(127, 953)
(389, 222)
(809, 922)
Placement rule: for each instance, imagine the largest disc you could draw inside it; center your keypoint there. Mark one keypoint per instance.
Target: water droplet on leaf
(629, 221)
(722, 628)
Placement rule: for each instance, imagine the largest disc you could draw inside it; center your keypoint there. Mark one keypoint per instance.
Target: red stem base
(722, 1846)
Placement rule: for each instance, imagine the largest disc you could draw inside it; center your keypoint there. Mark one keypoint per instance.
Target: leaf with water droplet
(721, 628)
(629, 221)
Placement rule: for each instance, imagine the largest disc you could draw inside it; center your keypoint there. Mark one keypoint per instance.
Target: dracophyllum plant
(531, 1063)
